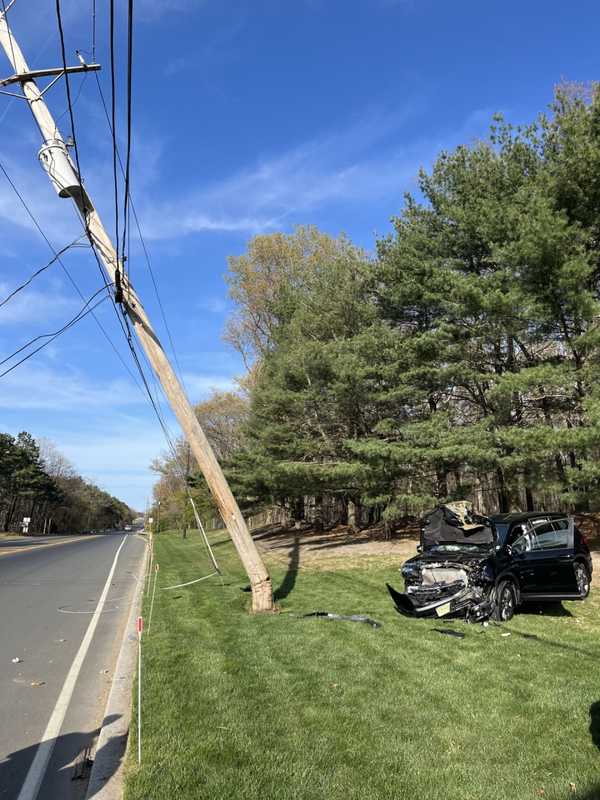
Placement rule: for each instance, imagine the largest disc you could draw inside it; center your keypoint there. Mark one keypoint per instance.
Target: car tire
(506, 602)
(582, 576)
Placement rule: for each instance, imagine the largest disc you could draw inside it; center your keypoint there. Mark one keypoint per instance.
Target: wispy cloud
(201, 386)
(220, 46)
(360, 163)
(151, 10)
(32, 306)
(40, 386)
(119, 463)
(32, 184)
(214, 305)
(330, 167)
(43, 386)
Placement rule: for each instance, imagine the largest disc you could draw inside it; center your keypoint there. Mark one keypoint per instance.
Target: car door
(551, 557)
(520, 542)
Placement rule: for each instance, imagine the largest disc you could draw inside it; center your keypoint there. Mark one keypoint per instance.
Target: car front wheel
(583, 580)
(506, 602)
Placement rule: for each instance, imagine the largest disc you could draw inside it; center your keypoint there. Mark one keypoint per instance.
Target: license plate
(441, 611)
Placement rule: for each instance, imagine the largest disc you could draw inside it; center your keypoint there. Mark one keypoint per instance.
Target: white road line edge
(37, 769)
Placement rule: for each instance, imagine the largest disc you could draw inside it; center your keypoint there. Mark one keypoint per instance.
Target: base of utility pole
(262, 597)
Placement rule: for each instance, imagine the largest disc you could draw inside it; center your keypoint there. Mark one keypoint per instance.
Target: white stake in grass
(139, 627)
(149, 573)
(152, 601)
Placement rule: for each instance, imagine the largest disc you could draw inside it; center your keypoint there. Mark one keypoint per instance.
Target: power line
(142, 241)
(129, 110)
(83, 312)
(114, 124)
(68, 88)
(124, 326)
(35, 63)
(83, 209)
(153, 402)
(124, 322)
(64, 268)
(77, 96)
(10, 38)
(93, 30)
(34, 275)
(126, 329)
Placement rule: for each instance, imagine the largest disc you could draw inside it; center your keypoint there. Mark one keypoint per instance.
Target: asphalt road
(48, 595)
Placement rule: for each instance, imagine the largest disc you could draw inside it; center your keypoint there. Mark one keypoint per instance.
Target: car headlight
(410, 571)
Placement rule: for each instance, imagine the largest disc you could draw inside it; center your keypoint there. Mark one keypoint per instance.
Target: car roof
(523, 516)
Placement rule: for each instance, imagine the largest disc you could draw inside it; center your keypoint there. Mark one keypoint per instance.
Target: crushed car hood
(454, 524)
(462, 557)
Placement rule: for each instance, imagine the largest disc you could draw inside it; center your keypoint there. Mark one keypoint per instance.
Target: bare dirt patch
(340, 546)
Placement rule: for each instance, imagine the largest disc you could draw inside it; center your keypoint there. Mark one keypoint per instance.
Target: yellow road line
(27, 548)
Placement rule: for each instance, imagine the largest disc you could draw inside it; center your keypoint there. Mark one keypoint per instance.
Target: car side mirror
(419, 548)
(508, 549)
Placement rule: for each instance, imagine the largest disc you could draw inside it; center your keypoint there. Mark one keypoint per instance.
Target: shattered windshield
(501, 531)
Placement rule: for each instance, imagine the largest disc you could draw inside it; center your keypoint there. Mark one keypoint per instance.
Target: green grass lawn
(270, 707)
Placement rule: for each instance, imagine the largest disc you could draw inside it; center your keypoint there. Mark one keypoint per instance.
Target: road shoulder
(106, 779)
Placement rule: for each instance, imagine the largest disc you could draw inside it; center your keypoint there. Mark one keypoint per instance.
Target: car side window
(553, 536)
(551, 540)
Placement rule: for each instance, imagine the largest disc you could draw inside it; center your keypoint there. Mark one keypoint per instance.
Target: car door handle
(568, 557)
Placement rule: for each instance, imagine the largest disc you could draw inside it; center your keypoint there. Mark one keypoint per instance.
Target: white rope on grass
(189, 583)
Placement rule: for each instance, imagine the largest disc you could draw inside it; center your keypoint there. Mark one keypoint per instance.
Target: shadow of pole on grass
(289, 579)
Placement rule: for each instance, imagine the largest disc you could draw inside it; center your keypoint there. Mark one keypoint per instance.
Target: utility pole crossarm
(62, 172)
(47, 73)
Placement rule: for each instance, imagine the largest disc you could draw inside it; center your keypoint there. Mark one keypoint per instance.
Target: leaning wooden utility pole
(55, 159)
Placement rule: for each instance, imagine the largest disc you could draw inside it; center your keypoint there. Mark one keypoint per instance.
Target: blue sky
(248, 117)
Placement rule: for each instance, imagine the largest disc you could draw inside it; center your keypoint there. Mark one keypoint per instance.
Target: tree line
(39, 483)
(460, 360)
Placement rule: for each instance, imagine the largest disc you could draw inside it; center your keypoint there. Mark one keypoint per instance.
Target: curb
(106, 779)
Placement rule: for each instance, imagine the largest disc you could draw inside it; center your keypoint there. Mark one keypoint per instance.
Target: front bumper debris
(465, 601)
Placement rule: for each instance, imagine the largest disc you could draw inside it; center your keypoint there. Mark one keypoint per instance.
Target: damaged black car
(479, 567)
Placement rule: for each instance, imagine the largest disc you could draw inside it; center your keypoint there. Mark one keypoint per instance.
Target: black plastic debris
(346, 617)
(448, 632)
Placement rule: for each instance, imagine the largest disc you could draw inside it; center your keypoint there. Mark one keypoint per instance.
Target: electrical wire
(83, 312)
(114, 124)
(126, 328)
(82, 212)
(68, 88)
(34, 275)
(143, 244)
(10, 38)
(82, 208)
(35, 63)
(64, 268)
(129, 116)
(93, 31)
(77, 96)
(123, 322)
(153, 402)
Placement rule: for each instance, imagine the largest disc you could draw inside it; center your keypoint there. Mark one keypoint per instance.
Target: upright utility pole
(62, 172)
